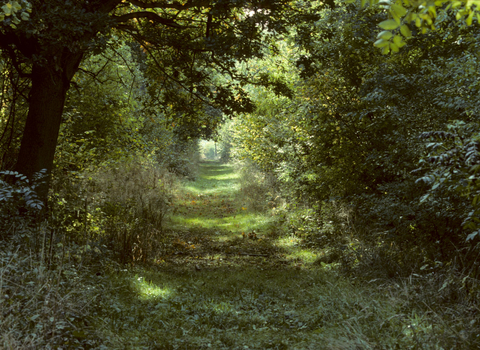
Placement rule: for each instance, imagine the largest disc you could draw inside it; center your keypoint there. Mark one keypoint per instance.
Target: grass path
(210, 226)
(216, 288)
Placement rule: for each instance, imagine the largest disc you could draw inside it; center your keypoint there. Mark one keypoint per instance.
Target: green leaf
(394, 47)
(7, 9)
(381, 43)
(396, 18)
(389, 24)
(398, 41)
(398, 9)
(424, 198)
(406, 32)
(386, 35)
(456, 4)
(470, 18)
(16, 6)
(472, 236)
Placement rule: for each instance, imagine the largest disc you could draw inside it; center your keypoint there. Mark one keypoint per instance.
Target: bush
(181, 158)
(120, 206)
(19, 202)
(131, 202)
(451, 169)
(259, 190)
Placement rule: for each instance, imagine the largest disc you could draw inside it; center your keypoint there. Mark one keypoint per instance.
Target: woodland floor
(226, 279)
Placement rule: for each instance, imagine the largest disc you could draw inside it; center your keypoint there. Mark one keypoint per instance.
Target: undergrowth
(315, 284)
(46, 294)
(280, 309)
(121, 206)
(296, 281)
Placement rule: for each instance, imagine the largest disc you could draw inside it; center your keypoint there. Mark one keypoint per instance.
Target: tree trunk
(46, 102)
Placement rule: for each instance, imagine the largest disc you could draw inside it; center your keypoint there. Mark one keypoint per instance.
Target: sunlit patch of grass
(225, 188)
(211, 202)
(303, 255)
(221, 177)
(147, 290)
(248, 308)
(235, 223)
(288, 242)
(214, 179)
(295, 252)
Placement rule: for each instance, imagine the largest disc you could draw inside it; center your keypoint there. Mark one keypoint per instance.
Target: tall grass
(133, 199)
(46, 294)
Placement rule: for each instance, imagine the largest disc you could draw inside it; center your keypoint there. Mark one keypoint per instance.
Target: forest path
(214, 288)
(210, 226)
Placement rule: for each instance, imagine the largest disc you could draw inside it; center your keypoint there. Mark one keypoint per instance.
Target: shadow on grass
(222, 307)
(223, 280)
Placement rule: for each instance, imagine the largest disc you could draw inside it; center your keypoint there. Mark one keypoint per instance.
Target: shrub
(120, 206)
(19, 202)
(451, 169)
(131, 202)
(259, 189)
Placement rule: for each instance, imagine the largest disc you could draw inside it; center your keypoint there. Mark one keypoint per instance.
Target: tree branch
(149, 15)
(166, 5)
(159, 66)
(106, 6)
(15, 63)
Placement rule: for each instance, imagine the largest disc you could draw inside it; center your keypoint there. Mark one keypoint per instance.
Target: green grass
(214, 179)
(225, 308)
(255, 308)
(213, 202)
(212, 288)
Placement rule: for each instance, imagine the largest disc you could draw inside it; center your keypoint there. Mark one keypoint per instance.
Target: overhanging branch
(13, 58)
(172, 5)
(151, 16)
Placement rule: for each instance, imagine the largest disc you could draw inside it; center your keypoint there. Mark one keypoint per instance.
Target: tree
(351, 133)
(407, 18)
(187, 41)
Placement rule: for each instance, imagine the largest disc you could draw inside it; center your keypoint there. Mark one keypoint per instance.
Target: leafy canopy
(409, 17)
